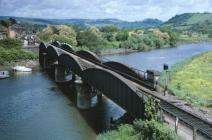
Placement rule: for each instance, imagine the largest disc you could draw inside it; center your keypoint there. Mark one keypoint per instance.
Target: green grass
(9, 55)
(193, 37)
(141, 130)
(124, 132)
(191, 80)
(10, 50)
(198, 17)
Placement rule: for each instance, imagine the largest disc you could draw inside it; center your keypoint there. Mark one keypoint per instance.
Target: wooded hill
(195, 22)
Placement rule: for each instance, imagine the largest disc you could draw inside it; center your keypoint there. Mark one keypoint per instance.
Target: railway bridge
(127, 87)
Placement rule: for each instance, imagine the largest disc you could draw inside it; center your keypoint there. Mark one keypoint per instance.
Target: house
(4, 34)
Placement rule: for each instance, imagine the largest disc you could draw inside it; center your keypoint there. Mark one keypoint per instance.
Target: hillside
(191, 79)
(91, 22)
(199, 22)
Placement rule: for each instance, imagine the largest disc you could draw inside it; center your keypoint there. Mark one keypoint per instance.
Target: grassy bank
(191, 80)
(194, 37)
(10, 51)
(140, 130)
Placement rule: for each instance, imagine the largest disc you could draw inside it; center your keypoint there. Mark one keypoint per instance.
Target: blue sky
(131, 10)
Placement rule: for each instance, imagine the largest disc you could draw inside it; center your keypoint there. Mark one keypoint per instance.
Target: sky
(130, 10)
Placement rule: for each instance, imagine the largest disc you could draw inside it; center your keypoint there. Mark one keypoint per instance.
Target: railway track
(191, 120)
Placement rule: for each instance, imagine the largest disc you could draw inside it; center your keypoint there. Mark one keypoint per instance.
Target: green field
(194, 37)
(192, 80)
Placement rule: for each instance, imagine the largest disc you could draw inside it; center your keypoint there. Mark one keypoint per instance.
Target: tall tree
(7, 24)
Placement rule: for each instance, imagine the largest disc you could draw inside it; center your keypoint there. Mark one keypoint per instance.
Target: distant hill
(91, 22)
(200, 22)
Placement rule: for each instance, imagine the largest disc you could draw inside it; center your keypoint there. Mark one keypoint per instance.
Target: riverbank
(191, 80)
(113, 51)
(192, 42)
(27, 63)
(12, 53)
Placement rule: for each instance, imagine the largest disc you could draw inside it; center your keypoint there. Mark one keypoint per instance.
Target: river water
(156, 58)
(33, 106)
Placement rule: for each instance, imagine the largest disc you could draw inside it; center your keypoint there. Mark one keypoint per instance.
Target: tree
(122, 35)
(109, 36)
(210, 35)
(90, 38)
(109, 29)
(172, 35)
(152, 109)
(60, 33)
(7, 24)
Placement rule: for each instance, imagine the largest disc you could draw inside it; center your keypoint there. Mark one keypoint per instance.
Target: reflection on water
(32, 106)
(156, 58)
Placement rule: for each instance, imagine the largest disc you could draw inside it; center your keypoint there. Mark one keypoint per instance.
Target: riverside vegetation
(10, 50)
(110, 37)
(151, 128)
(191, 79)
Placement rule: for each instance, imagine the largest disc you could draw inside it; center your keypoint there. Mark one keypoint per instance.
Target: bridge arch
(42, 47)
(116, 88)
(52, 53)
(89, 55)
(42, 50)
(70, 62)
(122, 69)
(67, 47)
(56, 43)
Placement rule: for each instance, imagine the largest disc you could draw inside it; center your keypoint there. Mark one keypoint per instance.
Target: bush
(153, 130)
(10, 43)
(140, 130)
(124, 132)
(122, 35)
(109, 29)
(8, 55)
(91, 39)
(109, 36)
(210, 35)
(62, 33)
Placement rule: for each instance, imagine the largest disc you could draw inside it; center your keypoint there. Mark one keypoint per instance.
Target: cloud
(111, 7)
(122, 9)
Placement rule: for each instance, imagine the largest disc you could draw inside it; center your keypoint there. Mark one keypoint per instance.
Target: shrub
(10, 43)
(8, 55)
(91, 39)
(122, 35)
(60, 33)
(153, 130)
(210, 35)
(109, 29)
(124, 132)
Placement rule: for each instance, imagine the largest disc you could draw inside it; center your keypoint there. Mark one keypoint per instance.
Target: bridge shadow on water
(99, 115)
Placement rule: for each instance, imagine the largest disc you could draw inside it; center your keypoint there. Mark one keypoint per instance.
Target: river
(33, 106)
(156, 58)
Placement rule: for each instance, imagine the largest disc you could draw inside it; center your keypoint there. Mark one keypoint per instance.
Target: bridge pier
(99, 96)
(43, 60)
(59, 72)
(83, 94)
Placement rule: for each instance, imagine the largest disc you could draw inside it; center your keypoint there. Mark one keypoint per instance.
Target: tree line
(97, 38)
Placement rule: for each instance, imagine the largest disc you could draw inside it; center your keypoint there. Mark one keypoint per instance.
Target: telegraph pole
(166, 69)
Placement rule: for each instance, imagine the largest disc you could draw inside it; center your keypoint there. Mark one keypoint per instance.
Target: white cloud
(111, 7)
(122, 9)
